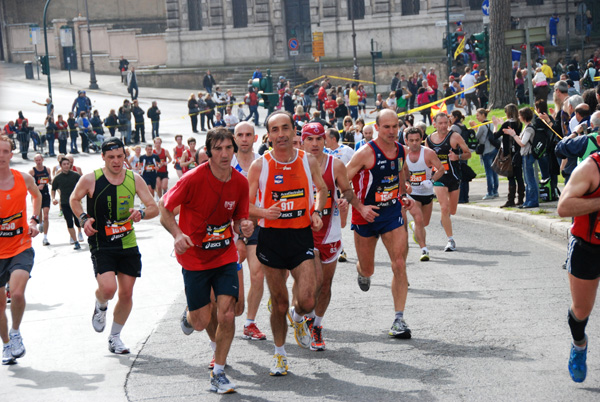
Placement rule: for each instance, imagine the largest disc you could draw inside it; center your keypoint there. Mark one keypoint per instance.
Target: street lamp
(93, 82)
(355, 75)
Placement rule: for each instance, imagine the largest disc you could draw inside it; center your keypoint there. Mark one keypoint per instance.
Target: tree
(502, 90)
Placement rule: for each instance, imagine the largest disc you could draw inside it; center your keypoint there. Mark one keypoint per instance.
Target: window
(194, 15)
(356, 9)
(535, 2)
(240, 14)
(475, 4)
(410, 7)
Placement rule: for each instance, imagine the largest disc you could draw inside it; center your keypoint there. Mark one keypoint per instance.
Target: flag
(460, 48)
(435, 109)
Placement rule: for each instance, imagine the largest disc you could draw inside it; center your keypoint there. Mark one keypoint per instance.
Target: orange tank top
(14, 230)
(291, 183)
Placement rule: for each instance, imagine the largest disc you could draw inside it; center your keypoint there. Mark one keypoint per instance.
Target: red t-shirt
(330, 104)
(208, 207)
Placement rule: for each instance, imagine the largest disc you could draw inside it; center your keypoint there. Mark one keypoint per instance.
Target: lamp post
(47, 60)
(355, 75)
(568, 52)
(93, 82)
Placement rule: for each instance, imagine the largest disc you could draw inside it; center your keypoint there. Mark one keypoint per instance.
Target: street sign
(66, 36)
(293, 53)
(293, 44)
(486, 19)
(514, 37)
(456, 17)
(441, 23)
(318, 46)
(537, 34)
(34, 34)
(485, 7)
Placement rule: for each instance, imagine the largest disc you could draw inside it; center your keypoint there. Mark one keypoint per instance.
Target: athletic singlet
(110, 208)
(419, 172)
(136, 165)
(443, 150)
(163, 158)
(14, 230)
(179, 151)
(380, 185)
(331, 231)
(290, 182)
(42, 177)
(190, 163)
(236, 165)
(587, 227)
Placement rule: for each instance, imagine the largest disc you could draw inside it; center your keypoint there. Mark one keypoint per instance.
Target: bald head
(385, 113)
(243, 126)
(244, 137)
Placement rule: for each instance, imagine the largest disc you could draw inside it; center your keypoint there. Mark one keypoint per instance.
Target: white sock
(318, 321)
(311, 314)
(248, 322)
(280, 350)
(579, 348)
(14, 331)
(45, 236)
(116, 329)
(5, 344)
(101, 306)
(450, 238)
(425, 249)
(213, 346)
(296, 317)
(218, 368)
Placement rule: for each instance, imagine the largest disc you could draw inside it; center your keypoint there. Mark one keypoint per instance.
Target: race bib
(416, 178)
(44, 180)
(217, 236)
(293, 204)
(386, 196)
(11, 226)
(118, 230)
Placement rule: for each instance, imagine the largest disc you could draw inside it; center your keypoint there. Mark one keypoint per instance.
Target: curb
(555, 227)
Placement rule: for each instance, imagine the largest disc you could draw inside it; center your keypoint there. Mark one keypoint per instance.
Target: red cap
(475, 66)
(312, 129)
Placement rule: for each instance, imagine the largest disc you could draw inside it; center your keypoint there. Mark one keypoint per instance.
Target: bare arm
(257, 212)
(37, 202)
(85, 186)
(584, 179)
(319, 183)
(167, 219)
(361, 159)
(432, 160)
(457, 141)
(142, 191)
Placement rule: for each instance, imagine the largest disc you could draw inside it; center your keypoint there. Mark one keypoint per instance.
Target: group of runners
(282, 212)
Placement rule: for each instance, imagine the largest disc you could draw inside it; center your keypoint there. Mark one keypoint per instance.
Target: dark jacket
(96, 123)
(138, 114)
(153, 113)
(208, 81)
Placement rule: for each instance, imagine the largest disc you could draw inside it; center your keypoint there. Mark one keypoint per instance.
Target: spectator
(353, 101)
(317, 119)
(72, 123)
(63, 134)
(123, 66)
(193, 111)
(208, 82)
(433, 83)
(257, 74)
(252, 101)
(288, 102)
(202, 107)
(127, 109)
(84, 125)
(540, 83)
(210, 111)
(132, 85)
(140, 127)
(341, 111)
(154, 115)
(422, 99)
(362, 101)
(230, 119)
(49, 106)
(553, 29)
(50, 134)
(111, 122)
(485, 135)
(300, 118)
(510, 147)
(219, 122)
(468, 81)
(96, 122)
(573, 74)
(82, 103)
(588, 77)
(413, 88)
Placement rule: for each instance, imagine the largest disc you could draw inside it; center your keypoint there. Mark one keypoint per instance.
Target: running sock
(248, 322)
(280, 350)
(399, 315)
(318, 321)
(14, 331)
(213, 346)
(296, 317)
(5, 344)
(45, 237)
(580, 348)
(450, 238)
(218, 368)
(101, 306)
(577, 329)
(116, 329)
(424, 249)
(311, 314)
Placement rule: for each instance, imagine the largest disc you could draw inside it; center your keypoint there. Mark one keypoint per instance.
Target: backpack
(469, 136)
(496, 142)
(539, 142)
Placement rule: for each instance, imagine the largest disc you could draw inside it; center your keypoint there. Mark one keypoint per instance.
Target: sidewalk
(543, 219)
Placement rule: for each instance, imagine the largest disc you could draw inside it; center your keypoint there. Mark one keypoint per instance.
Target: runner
(178, 152)
(134, 160)
(16, 253)
(213, 202)
(328, 240)
(285, 177)
(188, 159)
(42, 177)
(245, 138)
(162, 183)
(65, 182)
(150, 163)
(420, 160)
(108, 223)
(378, 174)
(579, 199)
(450, 147)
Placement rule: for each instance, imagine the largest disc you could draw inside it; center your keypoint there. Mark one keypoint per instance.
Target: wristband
(35, 218)
(83, 218)
(142, 213)
(318, 213)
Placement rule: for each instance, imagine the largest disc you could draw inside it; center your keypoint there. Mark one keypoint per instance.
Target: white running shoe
(220, 384)
(301, 334)
(186, 327)
(7, 357)
(280, 367)
(80, 237)
(116, 346)
(16, 345)
(424, 256)
(451, 246)
(99, 318)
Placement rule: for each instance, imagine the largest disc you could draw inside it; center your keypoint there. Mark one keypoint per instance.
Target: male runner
(16, 253)
(450, 147)
(213, 202)
(178, 152)
(419, 161)
(162, 183)
(43, 178)
(245, 138)
(150, 163)
(378, 173)
(328, 240)
(108, 223)
(579, 199)
(284, 177)
(65, 182)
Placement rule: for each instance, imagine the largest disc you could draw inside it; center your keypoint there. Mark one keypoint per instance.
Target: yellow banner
(460, 47)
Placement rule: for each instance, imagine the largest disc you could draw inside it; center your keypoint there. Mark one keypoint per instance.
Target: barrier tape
(334, 77)
(547, 125)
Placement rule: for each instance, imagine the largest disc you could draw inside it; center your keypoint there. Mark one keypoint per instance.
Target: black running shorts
(583, 259)
(127, 261)
(23, 260)
(222, 280)
(285, 248)
(423, 199)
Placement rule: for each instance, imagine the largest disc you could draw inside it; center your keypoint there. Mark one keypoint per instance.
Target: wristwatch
(318, 212)
(35, 218)
(83, 218)
(142, 213)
